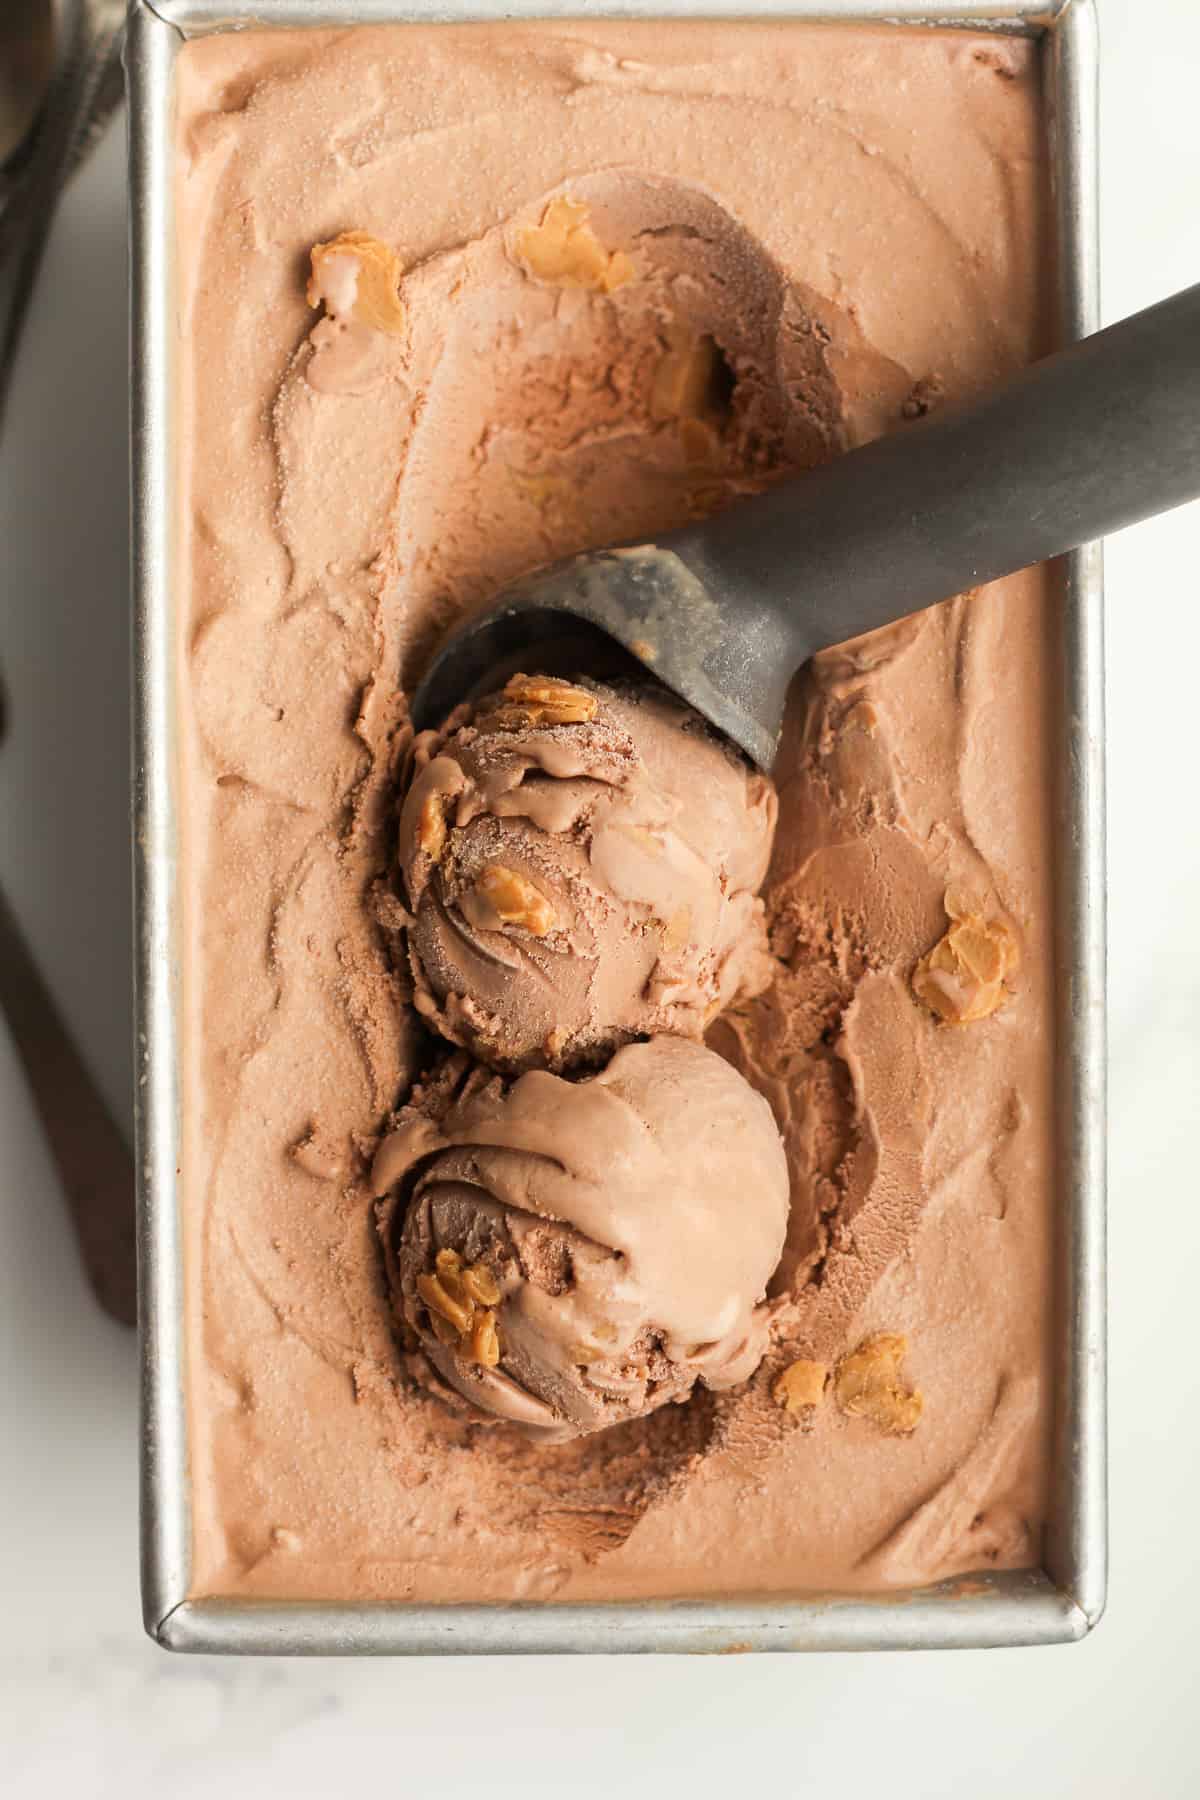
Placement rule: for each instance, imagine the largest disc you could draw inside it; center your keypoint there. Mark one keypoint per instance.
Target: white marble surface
(85, 1700)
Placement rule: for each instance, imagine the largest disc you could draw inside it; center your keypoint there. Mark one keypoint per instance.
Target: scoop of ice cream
(570, 1254)
(579, 866)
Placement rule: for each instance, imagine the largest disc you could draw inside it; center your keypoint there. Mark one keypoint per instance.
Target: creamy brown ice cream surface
(604, 278)
(571, 1254)
(580, 866)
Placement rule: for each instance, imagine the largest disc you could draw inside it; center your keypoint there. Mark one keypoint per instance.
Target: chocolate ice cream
(570, 1254)
(574, 283)
(580, 866)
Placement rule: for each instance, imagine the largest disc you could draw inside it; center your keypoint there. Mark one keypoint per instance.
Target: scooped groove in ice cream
(574, 1253)
(579, 865)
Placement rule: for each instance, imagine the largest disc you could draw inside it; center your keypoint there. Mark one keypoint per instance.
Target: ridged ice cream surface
(624, 1227)
(580, 866)
(453, 303)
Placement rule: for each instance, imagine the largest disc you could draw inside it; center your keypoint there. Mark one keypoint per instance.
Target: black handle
(1076, 446)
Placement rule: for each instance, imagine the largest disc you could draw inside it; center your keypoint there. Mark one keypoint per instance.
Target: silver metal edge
(195, 17)
(1030, 1607)
(1077, 1537)
(988, 1613)
(164, 1479)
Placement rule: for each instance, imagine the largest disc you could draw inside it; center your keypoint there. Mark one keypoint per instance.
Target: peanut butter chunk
(868, 1385)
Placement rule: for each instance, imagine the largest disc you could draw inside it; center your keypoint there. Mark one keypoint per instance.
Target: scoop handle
(1076, 446)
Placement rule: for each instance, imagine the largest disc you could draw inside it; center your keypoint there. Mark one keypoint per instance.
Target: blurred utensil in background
(94, 1163)
(28, 38)
(60, 81)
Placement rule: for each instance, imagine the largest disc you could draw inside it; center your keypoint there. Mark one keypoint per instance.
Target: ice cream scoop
(569, 1254)
(577, 865)
(724, 612)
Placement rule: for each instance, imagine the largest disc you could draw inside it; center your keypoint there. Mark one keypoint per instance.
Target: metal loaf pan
(1056, 1604)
